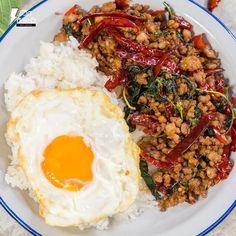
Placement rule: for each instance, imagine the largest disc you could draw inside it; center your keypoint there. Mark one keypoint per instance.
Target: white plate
(19, 44)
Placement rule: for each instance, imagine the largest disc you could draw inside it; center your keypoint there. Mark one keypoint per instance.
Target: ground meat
(109, 6)
(172, 24)
(185, 129)
(142, 78)
(170, 130)
(210, 53)
(142, 37)
(182, 89)
(204, 99)
(190, 63)
(187, 35)
(61, 37)
(173, 101)
(199, 77)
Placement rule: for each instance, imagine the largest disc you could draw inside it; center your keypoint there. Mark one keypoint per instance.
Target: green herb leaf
(134, 70)
(197, 115)
(148, 179)
(192, 85)
(180, 109)
(89, 21)
(5, 12)
(69, 31)
(170, 85)
(133, 89)
(209, 132)
(170, 10)
(185, 184)
(153, 88)
(221, 105)
(228, 121)
(179, 36)
(162, 33)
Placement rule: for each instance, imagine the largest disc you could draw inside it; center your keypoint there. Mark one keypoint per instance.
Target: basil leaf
(148, 179)
(170, 10)
(162, 33)
(196, 117)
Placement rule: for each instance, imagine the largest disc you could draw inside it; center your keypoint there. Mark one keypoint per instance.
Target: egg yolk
(68, 162)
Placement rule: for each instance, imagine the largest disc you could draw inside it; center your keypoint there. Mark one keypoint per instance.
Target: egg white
(44, 115)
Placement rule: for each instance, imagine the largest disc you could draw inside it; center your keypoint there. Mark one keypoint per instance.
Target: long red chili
(145, 120)
(226, 164)
(71, 10)
(108, 22)
(233, 143)
(138, 58)
(133, 46)
(114, 13)
(120, 79)
(153, 161)
(219, 85)
(212, 4)
(221, 137)
(183, 23)
(161, 63)
(171, 66)
(189, 140)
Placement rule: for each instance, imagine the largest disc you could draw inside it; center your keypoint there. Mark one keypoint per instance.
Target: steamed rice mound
(61, 66)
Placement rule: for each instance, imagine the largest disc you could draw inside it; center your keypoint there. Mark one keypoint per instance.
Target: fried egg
(76, 151)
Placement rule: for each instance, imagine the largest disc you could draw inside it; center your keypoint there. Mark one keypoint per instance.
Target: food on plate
(76, 151)
(71, 143)
(173, 85)
(51, 111)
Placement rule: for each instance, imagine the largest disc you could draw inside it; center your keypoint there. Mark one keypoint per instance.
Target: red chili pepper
(157, 12)
(138, 58)
(226, 165)
(222, 138)
(108, 22)
(114, 13)
(214, 71)
(183, 23)
(120, 79)
(71, 10)
(122, 4)
(153, 161)
(171, 66)
(233, 143)
(145, 120)
(169, 111)
(212, 4)
(161, 188)
(204, 86)
(132, 46)
(219, 85)
(198, 41)
(189, 140)
(232, 101)
(161, 63)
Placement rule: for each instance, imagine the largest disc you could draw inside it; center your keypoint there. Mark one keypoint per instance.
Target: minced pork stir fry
(174, 89)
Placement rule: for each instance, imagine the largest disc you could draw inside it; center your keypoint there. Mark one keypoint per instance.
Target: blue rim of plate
(35, 233)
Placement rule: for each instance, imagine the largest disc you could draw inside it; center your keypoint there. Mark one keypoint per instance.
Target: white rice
(61, 66)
